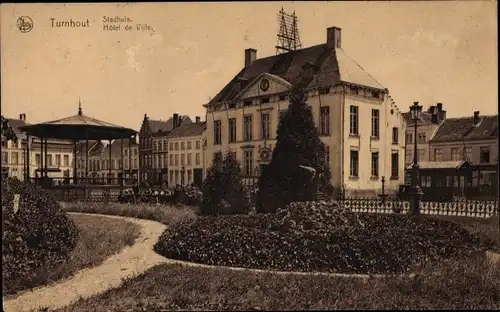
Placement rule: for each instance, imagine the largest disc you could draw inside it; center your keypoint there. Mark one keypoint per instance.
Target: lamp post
(415, 190)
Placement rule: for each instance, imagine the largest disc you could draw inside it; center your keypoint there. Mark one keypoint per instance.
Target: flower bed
(319, 236)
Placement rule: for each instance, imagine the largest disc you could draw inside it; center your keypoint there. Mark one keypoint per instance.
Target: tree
(223, 190)
(234, 191)
(298, 144)
(212, 187)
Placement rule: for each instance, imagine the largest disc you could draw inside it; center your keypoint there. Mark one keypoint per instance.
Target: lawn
(456, 285)
(99, 238)
(166, 214)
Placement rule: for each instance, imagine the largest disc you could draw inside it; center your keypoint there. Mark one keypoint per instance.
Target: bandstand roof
(78, 127)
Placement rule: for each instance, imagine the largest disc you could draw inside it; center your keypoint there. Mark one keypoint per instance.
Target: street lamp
(415, 190)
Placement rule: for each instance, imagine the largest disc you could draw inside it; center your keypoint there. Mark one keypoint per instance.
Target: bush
(37, 237)
(223, 190)
(297, 143)
(318, 236)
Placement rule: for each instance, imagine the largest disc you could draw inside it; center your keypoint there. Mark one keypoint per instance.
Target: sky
(421, 51)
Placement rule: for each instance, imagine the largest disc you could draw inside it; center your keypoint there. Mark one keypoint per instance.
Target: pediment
(265, 84)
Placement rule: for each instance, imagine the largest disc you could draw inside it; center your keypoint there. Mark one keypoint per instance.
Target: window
(408, 156)
(171, 160)
(324, 123)
(197, 158)
(171, 146)
(353, 120)
(265, 126)
(468, 153)
(177, 159)
(58, 160)
(324, 90)
(375, 123)
(125, 152)
(422, 137)
(438, 154)
(327, 154)
(183, 146)
(165, 161)
(455, 154)
(232, 130)
(189, 145)
(171, 177)
(197, 144)
(264, 100)
(283, 97)
(395, 135)
(5, 158)
(176, 146)
(409, 138)
(189, 159)
(49, 160)
(354, 90)
(248, 162)
(183, 159)
(421, 154)
(354, 165)
(189, 178)
(484, 155)
(247, 103)
(374, 164)
(135, 163)
(164, 145)
(375, 94)
(154, 146)
(66, 160)
(395, 165)
(160, 145)
(217, 132)
(135, 152)
(155, 162)
(247, 122)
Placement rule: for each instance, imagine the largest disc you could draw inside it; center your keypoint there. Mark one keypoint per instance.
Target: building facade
(426, 128)
(244, 116)
(103, 169)
(152, 150)
(185, 154)
(15, 159)
(473, 139)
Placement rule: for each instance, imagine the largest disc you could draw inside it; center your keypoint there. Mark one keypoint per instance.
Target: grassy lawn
(99, 238)
(165, 214)
(175, 287)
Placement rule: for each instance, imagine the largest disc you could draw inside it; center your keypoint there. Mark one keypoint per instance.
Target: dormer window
(354, 89)
(247, 103)
(376, 94)
(324, 90)
(282, 97)
(264, 100)
(232, 105)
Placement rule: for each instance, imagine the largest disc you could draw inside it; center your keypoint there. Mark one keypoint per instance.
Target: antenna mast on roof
(288, 33)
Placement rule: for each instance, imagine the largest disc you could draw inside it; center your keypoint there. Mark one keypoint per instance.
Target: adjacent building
(185, 154)
(152, 148)
(244, 116)
(426, 128)
(15, 160)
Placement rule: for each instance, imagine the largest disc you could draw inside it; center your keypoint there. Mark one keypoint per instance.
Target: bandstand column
(74, 162)
(130, 157)
(110, 163)
(121, 162)
(86, 157)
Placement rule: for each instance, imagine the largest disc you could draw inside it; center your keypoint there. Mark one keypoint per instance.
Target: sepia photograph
(250, 156)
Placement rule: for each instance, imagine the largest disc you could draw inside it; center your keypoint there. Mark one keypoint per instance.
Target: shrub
(298, 143)
(37, 237)
(223, 190)
(318, 236)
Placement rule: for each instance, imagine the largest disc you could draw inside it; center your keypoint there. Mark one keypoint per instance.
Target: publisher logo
(25, 24)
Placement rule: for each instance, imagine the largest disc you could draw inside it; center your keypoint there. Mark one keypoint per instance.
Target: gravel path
(130, 262)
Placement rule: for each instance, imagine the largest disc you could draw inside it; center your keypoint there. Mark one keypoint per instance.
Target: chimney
(476, 117)
(22, 117)
(333, 38)
(439, 107)
(250, 56)
(175, 121)
(198, 119)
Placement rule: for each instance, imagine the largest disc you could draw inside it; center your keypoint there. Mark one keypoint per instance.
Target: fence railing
(463, 208)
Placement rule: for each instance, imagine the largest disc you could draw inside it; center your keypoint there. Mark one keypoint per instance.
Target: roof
(165, 126)
(188, 130)
(429, 165)
(333, 65)
(463, 129)
(78, 127)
